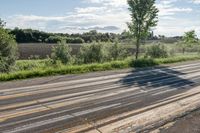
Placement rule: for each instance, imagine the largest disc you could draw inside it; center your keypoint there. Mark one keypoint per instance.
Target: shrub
(92, 53)
(157, 51)
(101, 52)
(144, 63)
(62, 52)
(116, 51)
(8, 51)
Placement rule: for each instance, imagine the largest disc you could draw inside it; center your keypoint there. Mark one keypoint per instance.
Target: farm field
(40, 50)
(44, 50)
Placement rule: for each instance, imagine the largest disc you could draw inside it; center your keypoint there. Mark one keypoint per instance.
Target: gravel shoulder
(187, 124)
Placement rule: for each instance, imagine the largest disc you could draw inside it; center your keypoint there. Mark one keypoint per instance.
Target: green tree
(62, 52)
(144, 16)
(189, 39)
(8, 50)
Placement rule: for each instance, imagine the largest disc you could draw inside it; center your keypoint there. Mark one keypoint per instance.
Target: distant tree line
(36, 36)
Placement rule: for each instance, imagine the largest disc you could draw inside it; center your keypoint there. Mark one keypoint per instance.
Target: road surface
(96, 103)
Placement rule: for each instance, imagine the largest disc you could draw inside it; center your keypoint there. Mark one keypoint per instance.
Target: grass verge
(31, 69)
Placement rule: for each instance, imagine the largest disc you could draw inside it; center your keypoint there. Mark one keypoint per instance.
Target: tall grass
(40, 68)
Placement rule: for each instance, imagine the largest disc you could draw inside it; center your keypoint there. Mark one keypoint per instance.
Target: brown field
(41, 50)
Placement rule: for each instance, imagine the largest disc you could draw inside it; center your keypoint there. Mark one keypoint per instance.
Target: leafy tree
(189, 39)
(74, 40)
(62, 52)
(8, 51)
(54, 39)
(144, 16)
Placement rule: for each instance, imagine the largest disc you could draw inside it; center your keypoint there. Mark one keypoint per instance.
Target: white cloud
(115, 3)
(110, 15)
(100, 18)
(170, 24)
(167, 8)
(196, 1)
(90, 10)
(177, 26)
(106, 15)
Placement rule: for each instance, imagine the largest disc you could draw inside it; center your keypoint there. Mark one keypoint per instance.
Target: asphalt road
(90, 102)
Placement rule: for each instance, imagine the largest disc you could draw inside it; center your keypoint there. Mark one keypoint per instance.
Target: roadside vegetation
(106, 53)
(8, 50)
(40, 68)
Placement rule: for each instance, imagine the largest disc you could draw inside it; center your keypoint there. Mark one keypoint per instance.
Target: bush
(144, 63)
(116, 51)
(101, 52)
(62, 52)
(92, 53)
(157, 51)
(8, 51)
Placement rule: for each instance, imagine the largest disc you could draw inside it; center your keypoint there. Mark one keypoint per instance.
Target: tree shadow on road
(152, 78)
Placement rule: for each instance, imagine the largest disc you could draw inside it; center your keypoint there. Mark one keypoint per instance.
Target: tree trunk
(137, 49)
(138, 42)
(183, 50)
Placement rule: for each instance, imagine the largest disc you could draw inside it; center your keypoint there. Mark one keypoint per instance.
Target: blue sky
(72, 16)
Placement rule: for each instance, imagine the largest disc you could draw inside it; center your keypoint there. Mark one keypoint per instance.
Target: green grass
(40, 68)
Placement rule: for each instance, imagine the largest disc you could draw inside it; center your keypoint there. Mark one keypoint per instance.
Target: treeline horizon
(37, 36)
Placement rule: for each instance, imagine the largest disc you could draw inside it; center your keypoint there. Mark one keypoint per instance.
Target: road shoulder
(69, 77)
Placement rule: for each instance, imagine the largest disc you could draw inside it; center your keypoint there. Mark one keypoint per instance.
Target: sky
(78, 16)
